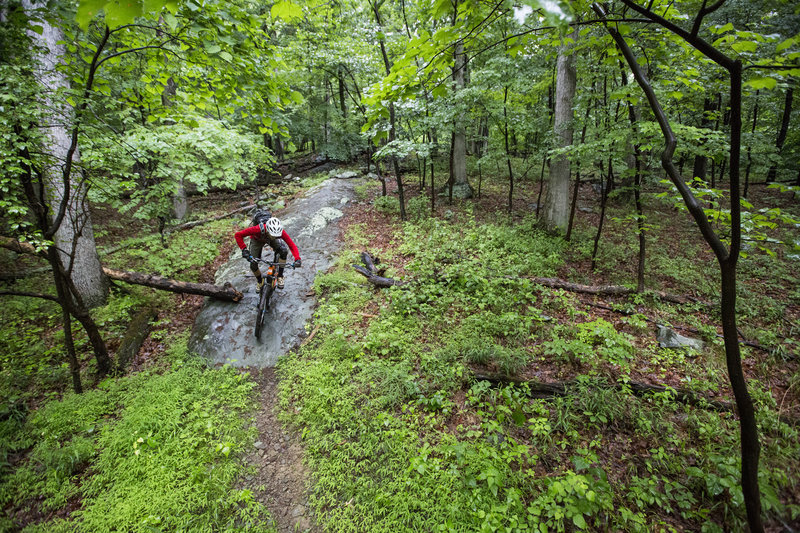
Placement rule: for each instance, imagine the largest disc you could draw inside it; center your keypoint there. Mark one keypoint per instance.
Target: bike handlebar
(270, 263)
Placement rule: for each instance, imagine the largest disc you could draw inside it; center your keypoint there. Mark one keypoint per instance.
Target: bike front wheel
(261, 311)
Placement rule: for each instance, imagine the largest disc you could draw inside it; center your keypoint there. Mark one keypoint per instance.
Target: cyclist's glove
(297, 263)
(246, 254)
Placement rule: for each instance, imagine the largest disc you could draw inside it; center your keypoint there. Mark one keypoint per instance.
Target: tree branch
(702, 13)
(29, 294)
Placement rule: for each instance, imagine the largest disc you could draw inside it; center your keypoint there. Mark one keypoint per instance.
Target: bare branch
(702, 13)
(30, 295)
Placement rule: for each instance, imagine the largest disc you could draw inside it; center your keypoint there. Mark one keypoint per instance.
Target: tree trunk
(640, 228)
(574, 204)
(433, 189)
(749, 156)
(461, 186)
(508, 155)
(700, 161)
(74, 236)
(180, 202)
(556, 202)
(726, 257)
(604, 188)
(74, 367)
(342, 102)
(787, 113)
(137, 332)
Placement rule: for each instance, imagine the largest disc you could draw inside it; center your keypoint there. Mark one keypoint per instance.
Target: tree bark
(556, 202)
(461, 186)
(576, 189)
(508, 154)
(65, 192)
(701, 161)
(749, 156)
(605, 187)
(374, 275)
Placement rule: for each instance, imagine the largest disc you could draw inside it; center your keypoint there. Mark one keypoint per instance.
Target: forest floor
(279, 479)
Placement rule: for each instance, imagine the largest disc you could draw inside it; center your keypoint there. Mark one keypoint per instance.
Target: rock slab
(223, 331)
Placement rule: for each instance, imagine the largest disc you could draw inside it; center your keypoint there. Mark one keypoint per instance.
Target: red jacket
(254, 232)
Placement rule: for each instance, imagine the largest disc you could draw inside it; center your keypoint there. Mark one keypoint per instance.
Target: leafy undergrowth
(400, 434)
(157, 450)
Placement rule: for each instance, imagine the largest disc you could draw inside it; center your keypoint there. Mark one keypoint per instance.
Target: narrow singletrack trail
(223, 333)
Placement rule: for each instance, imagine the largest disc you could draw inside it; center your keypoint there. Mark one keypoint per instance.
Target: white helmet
(274, 227)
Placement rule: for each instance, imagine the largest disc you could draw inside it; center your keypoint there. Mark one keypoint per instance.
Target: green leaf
(171, 21)
(287, 11)
(786, 44)
(722, 29)
(153, 6)
(762, 83)
(212, 48)
(579, 521)
(121, 13)
(87, 10)
(745, 46)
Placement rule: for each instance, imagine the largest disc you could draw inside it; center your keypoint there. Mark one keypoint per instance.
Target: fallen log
(20, 247)
(561, 388)
(226, 292)
(376, 280)
(173, 229)
(373, 275)
(29, 295)
(615, 290)
(138, 331)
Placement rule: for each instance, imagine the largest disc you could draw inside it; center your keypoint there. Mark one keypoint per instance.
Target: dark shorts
(277, 245)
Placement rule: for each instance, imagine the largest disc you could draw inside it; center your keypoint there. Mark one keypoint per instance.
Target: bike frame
(270, 282)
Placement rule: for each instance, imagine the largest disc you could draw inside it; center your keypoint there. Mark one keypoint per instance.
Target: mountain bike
(270, 281)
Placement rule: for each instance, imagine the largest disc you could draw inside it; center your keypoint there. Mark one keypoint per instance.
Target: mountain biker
(267, 229)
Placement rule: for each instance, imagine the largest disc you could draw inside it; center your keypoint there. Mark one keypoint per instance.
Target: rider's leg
(281, 253)
(255, 250)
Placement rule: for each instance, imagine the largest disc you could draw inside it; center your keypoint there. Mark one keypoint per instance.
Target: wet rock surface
(223, 331)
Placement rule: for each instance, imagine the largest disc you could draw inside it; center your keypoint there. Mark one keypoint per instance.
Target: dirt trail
(279, 480)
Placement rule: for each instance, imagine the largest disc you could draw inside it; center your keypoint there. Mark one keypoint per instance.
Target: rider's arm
(292, 245)
(247, 232)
